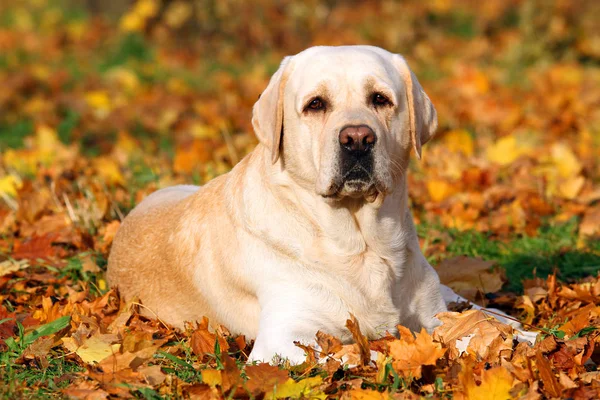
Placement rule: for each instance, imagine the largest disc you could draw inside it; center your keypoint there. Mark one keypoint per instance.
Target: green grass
(19, 376)
(13, 135)
(523, 257)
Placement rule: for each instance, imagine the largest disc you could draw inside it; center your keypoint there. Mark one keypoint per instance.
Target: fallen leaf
(360, 339)
(495, 385)
(363, 394)
(590, 225)
(212, 377)
(328, 344)
(469, 276)
(410, 356)
(203, 341)
(490, 337)
(264, 377)
(9, 266)
(551, 384)
(95, 349)
(301, 389)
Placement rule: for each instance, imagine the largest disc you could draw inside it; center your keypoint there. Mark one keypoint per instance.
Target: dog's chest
(365, 285)
(375, 282)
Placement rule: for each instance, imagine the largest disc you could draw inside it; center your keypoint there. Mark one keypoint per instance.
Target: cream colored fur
(281, 246)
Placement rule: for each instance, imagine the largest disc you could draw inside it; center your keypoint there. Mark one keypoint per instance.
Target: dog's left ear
(267, 113)
(422, 117)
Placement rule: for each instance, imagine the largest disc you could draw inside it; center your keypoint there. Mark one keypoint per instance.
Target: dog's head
(343, 119)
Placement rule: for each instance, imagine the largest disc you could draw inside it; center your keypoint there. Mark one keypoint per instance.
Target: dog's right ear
(267, 114)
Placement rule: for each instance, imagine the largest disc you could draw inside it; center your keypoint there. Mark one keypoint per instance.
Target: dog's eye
(316, 105)
(380, 100)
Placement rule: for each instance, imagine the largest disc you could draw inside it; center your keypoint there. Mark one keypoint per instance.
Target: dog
(314, 224)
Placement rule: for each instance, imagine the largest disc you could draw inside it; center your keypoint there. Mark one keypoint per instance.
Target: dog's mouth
(357, 182)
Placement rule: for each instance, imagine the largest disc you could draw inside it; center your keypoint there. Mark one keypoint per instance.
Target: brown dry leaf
(588, 377)
(153, 375)
(551, 385)
(263, 377)
(9, 266)
(365, 394)
(231, 378)
(39, 349)
(203, 341)
(328, 343)
(469, 276)
(33, 202)
(189, 157)
(506, 159)
(488, 336)
(410, 356)
(349, 354)
(38, 247)
(577, 321)
(202, 391)
(565, 381)
(85, 390)
(590, 225)
(108, 234)
(360, 339)
(309, 352)
(524, 303)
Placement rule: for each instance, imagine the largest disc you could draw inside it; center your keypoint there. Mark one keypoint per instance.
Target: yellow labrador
(311, 226)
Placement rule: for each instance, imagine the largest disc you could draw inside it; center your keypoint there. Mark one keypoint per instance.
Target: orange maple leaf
(410, 356)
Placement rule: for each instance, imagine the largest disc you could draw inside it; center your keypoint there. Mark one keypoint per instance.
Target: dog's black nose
(357, 139)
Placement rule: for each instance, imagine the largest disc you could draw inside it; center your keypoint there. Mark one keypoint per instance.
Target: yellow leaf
(439, 189)
(565, 160)
(135, 20)
(508, 148)
(147, 8)
(99, 101)
(47, 144)
(212, 377)
(178, 13)
(570, 188)
(178, 86)
(504, 151)
(9, 185)
(131, 22)
(22, 161)
(296, 390)
(495, 385)
(458, 141)
(95, 349)
(109, 170)
(124, 78)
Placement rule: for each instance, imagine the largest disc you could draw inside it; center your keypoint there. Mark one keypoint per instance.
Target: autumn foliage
(100, 107)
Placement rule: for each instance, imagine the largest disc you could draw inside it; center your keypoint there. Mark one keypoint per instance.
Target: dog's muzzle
(356, 160)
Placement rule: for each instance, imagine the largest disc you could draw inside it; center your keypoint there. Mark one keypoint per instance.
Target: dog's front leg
(291, 311)
(285, 317)
(419, 294)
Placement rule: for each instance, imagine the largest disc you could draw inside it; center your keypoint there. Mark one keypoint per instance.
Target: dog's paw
(277, 355)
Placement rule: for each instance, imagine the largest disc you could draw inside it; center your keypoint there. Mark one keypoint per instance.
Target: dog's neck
(347, 227)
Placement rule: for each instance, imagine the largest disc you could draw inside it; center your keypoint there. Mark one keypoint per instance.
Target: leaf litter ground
(96, 114)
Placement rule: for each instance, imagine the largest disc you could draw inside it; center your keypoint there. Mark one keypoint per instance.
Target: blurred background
(104, 101)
